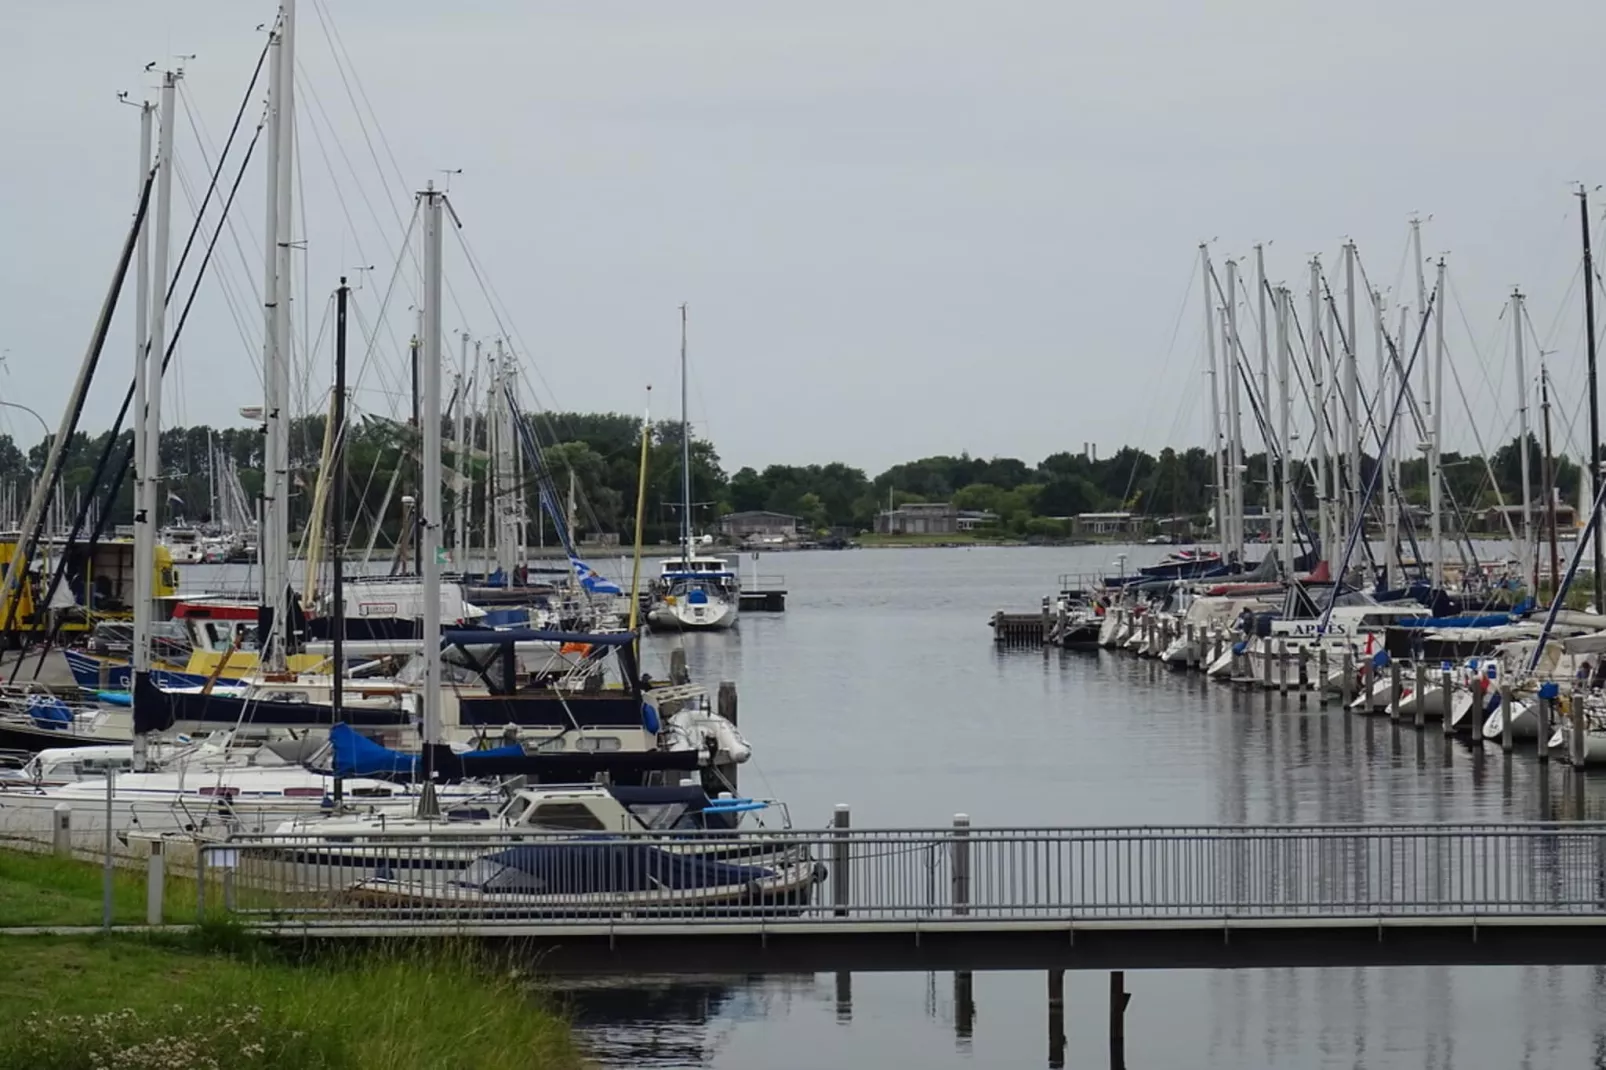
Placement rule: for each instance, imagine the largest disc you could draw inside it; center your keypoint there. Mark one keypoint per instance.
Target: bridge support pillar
(1119, 998)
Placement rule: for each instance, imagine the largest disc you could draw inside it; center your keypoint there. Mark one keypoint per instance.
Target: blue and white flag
(592, 580)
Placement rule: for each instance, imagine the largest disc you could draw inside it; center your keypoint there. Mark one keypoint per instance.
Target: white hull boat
(1524, 721)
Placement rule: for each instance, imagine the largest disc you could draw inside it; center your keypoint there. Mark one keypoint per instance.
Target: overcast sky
(903, 228)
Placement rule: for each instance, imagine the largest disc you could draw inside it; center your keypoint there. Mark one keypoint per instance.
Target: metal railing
(917, 876)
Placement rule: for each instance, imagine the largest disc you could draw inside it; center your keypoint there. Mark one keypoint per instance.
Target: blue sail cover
(355, 755)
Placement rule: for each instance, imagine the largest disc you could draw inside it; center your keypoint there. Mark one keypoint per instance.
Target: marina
(325, 635)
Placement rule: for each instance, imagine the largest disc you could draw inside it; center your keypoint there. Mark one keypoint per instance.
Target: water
(880, 688)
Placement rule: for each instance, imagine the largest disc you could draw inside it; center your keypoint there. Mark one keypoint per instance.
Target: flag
(174, 498)
(593, 581)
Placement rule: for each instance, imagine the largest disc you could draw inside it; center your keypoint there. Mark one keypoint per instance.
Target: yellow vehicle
(98, 585)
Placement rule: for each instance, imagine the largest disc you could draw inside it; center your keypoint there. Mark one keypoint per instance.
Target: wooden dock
(1021, 629)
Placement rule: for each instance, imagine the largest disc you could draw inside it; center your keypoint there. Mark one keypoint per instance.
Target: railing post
(961, 864)
(1422, 694)
(840, 884)
(61, 830)
(1321, 676)
(155, 884)
(1394, 691)
(1506, 705)
(1449, 696)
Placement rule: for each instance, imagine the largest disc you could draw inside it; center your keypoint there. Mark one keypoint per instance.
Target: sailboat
(694, 592)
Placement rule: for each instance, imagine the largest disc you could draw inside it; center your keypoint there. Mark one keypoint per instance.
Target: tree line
(600, 452)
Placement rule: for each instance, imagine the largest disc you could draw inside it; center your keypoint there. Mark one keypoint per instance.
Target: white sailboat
(693, 592)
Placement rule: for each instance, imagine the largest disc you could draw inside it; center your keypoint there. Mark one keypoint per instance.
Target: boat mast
(1222, 533)
(1265, 369)
(685, 452)
(1318, 359)
(146, 509)
(275, 538)
(144, 530)
(1352, 394)
(460, 461)
(1380, 425)
(1550, 481)
(1235, 444)
(1592, 460)
(1284, 432)
(337, 513)
(429, 527)
(1435, 463)
(1525, 555)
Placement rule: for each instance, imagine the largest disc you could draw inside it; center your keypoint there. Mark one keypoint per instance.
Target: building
(1496, 517)
(918, 518)
(975, 519)
(1104, 524)
(759, 525)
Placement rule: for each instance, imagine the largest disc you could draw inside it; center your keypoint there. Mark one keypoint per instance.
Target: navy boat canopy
(502, 636)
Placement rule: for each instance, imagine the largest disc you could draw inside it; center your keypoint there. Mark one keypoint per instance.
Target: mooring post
(840, 821)
(1190, 652)
(678, 673)
(1422, 693)
(1119, 998)
(961, 864)
(1394, 691)
(1044, 637)
(1542, 712)
(1061, 621)
(1505, 714)
(1367, 685)
(1575, 711)
(1449, 704)
(1056, 1018)
(844, 996)
(1302, 672)
(61, 830)
(155, 884)
(1321, 676)
(1347, 684)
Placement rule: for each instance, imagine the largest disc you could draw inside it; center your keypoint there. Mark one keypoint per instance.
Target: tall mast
(1222, 532)
(337, 511)
(1435, 467)
(1525, 555)
(460, 462)
(146, 511)
(429, 528)
(685, 451)
(1592, 459)
(1318, 361)
(1284, 432)
(276, 363)
(1352, 392)
(1429, 407)
(1235, 446)
(144, 528)
(1265, 367)
(1379, 423)
(1549, 516)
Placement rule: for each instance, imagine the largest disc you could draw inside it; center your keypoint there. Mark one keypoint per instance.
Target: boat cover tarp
(591, 867)
(355, 755)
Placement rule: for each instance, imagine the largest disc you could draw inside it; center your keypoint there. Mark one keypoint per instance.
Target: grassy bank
(216, 997)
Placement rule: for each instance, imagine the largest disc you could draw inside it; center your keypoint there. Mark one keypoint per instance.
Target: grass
(216, 996)
(135, 1002)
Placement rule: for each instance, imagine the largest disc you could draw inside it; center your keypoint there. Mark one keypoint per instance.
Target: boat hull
(716, 614)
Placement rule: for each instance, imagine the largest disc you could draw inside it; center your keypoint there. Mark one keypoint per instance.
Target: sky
(901, 228)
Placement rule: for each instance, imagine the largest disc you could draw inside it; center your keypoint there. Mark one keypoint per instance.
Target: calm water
(880, 688)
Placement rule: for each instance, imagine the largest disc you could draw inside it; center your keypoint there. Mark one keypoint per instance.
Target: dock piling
(1542, 712)
(1575, 711)
(1056, 1018)
(1421, 694)
(1346, 686)
(1444, 683)
(1119, 998)
(1302, 673)
(1505, 714)
(678, 673)
(1394, 691)
(1282, 667)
